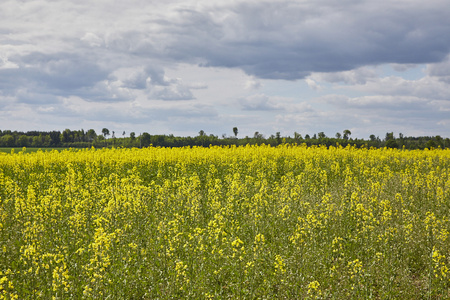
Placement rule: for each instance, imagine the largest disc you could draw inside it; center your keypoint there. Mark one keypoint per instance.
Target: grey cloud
(157, 76)
(268, 39)
(403, 67)
(440, 70)
(136, 80)
(63, 71)
(58, 74)
(63, 74)
(164, 88)
(130, 83)
(138, 77)
(32, 98)
(288, 39)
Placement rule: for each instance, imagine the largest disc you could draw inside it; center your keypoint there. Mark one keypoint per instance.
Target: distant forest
(84, 139)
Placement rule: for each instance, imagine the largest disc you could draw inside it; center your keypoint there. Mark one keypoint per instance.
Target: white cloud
(356, 76)
(428, 87)
(252, 84)
(92, 39)
(6, 64)
(173, 92)
(312, 83)
(260, 102)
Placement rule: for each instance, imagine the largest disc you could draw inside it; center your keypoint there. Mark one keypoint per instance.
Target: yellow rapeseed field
(287, 222)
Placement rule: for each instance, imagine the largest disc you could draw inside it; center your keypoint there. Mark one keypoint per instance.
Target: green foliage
(7, 140)
(391, 144)
(235, 131)
(81, 139)
(145, 139)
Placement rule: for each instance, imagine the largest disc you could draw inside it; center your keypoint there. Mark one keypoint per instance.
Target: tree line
(84, 139)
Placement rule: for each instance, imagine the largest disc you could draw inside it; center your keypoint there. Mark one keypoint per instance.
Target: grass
(27, 149)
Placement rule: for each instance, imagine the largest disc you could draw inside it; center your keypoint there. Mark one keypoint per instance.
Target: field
(27, 149)
(254, 222)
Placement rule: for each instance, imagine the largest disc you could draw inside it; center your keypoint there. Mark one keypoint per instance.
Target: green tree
(430, 144)
(46, 140)
(347, 133)
(91, 135)
(439, 140)
(145, 139)
(338, 135)
(8, 140)
(321, 135)
(54, 138)
(391, 144)
(37, 141)
(22, 141)
(389, 136)
(132, 139)
(82, 135)
(105, 132)
(100, 139)
(235, 131)
(278, 137)
(66, 136)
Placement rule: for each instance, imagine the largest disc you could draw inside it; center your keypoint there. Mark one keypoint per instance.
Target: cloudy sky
(370, 66)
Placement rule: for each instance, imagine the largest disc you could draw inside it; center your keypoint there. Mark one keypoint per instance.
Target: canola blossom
(250, 222)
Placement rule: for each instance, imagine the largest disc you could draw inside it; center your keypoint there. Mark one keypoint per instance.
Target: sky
(178, 67)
